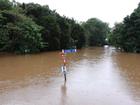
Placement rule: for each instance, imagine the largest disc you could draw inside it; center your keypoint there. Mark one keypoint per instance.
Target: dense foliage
(29, 28)
(5, 5)
(96, 32)
(18, 33)
(59, 32)
(126, 35)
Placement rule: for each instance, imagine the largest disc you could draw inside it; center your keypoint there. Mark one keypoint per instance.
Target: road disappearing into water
(96, 76)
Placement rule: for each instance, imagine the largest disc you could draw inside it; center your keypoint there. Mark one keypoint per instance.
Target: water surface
(96, 76)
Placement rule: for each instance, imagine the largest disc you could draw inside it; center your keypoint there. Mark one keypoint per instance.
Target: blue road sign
(69, 50)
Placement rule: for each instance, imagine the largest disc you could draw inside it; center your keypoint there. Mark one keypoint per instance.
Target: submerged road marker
(63, 55)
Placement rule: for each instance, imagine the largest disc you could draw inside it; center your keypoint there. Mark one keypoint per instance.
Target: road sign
(69, 51)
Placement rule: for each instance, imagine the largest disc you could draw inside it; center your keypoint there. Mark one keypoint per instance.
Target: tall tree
(5, 5)
(96, 32)
(19, 34)
(127, 34)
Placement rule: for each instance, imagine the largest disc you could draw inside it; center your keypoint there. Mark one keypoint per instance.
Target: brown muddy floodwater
(96, 76)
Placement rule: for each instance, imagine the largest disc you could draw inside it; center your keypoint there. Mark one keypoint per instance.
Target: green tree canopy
(5, 5)
(126, 35)
(28, 28)
(18, 33)
(96, 32)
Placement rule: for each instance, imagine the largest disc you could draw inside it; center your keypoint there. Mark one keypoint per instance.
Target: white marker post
(63, 68)
(63, 55)
(64, 71)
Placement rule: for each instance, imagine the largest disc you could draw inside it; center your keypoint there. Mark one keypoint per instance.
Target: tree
(57, 32)
(5, 5)
(96, 32)
(115, 37)
(28, 28)
(46, 18)
(78, 35)
(127, 34)
(19, 34)
(65, 37)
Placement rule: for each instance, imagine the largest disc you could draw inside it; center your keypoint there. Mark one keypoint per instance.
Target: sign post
(63, 55)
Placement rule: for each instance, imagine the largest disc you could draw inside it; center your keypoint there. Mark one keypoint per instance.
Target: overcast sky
(109, 11)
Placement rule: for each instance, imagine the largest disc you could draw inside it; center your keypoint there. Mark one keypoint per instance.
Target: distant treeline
(126, 35)
(30, 28)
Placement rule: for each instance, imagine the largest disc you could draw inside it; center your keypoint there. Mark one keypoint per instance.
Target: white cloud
(110, 11)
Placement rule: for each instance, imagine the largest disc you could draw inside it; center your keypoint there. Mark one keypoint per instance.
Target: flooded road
(96, 76)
